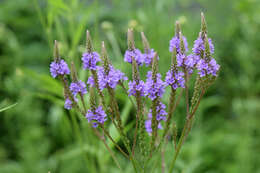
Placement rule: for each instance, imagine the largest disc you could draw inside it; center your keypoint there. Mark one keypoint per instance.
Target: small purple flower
(111, 79)
(160, 115)
(148, 57)
(187, 62)
(68, 104)
(78, 87)
(207, 68)
(136, 54)
(90, 60)
(175, 42)
(154, 89)
(175, 79)
(59, 67)
(96, 116)
(91, 81)
(199, 46)
(134, 87)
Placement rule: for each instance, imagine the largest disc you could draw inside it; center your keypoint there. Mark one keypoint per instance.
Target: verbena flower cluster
(175, 42)
(136, 54)
(136, 86)
(154, 87)
(90, 60)
(175, 78)
(110, 79)
(160, 115)
(148, 57)
(59, 67)
(96, 116)
(78, 87)
(145, 92)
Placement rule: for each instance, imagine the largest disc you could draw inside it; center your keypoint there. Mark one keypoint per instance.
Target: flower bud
(130, 39)
(104, 57)
(145, 43)
(177, 29)
(203, 26)
(155, 67)
(73, 73)
(56, 54)
(89, 45)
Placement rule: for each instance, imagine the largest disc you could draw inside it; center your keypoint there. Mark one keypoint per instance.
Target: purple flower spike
(154, 89)
(199, 46)
(68, 104)
(111, 79)
(160, 115)
(96, 116)
(175, 42)
(175, 79)
(148, 57)
(136, 53)
(59, 67)
(133, 87)
(78, 87)
(90, 60)
(207, 68)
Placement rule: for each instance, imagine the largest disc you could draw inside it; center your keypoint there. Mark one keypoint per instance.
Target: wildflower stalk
(115, 109)
(155, 102)
(173, 94)
(64, 81)
(186, 125)
(89, 49)
(203, 26)
(145, 43)
(136, 78)
(74, 78)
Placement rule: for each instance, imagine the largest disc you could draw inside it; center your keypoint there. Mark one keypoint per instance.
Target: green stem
(107, 147)
(138, 114)
(114, 142)
(178, 146)
(120, 128)
(184, 131)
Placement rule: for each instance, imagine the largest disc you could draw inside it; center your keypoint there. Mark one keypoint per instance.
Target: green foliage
(38, 135)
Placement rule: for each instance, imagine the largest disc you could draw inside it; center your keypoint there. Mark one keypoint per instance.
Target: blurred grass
(38, 135)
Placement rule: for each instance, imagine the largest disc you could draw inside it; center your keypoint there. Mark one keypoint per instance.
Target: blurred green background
(38, 135)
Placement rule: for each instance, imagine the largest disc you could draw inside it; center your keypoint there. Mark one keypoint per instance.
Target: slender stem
(163, 160)
(178, 146)
(184, 132)
(109, 150)
(187, 93)
(138, 114)
(114, 142)
(154, 124)
(83, 103)
(194, 110)
(120, 128)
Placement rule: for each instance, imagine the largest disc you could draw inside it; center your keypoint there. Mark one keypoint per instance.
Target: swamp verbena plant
(154, 120)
